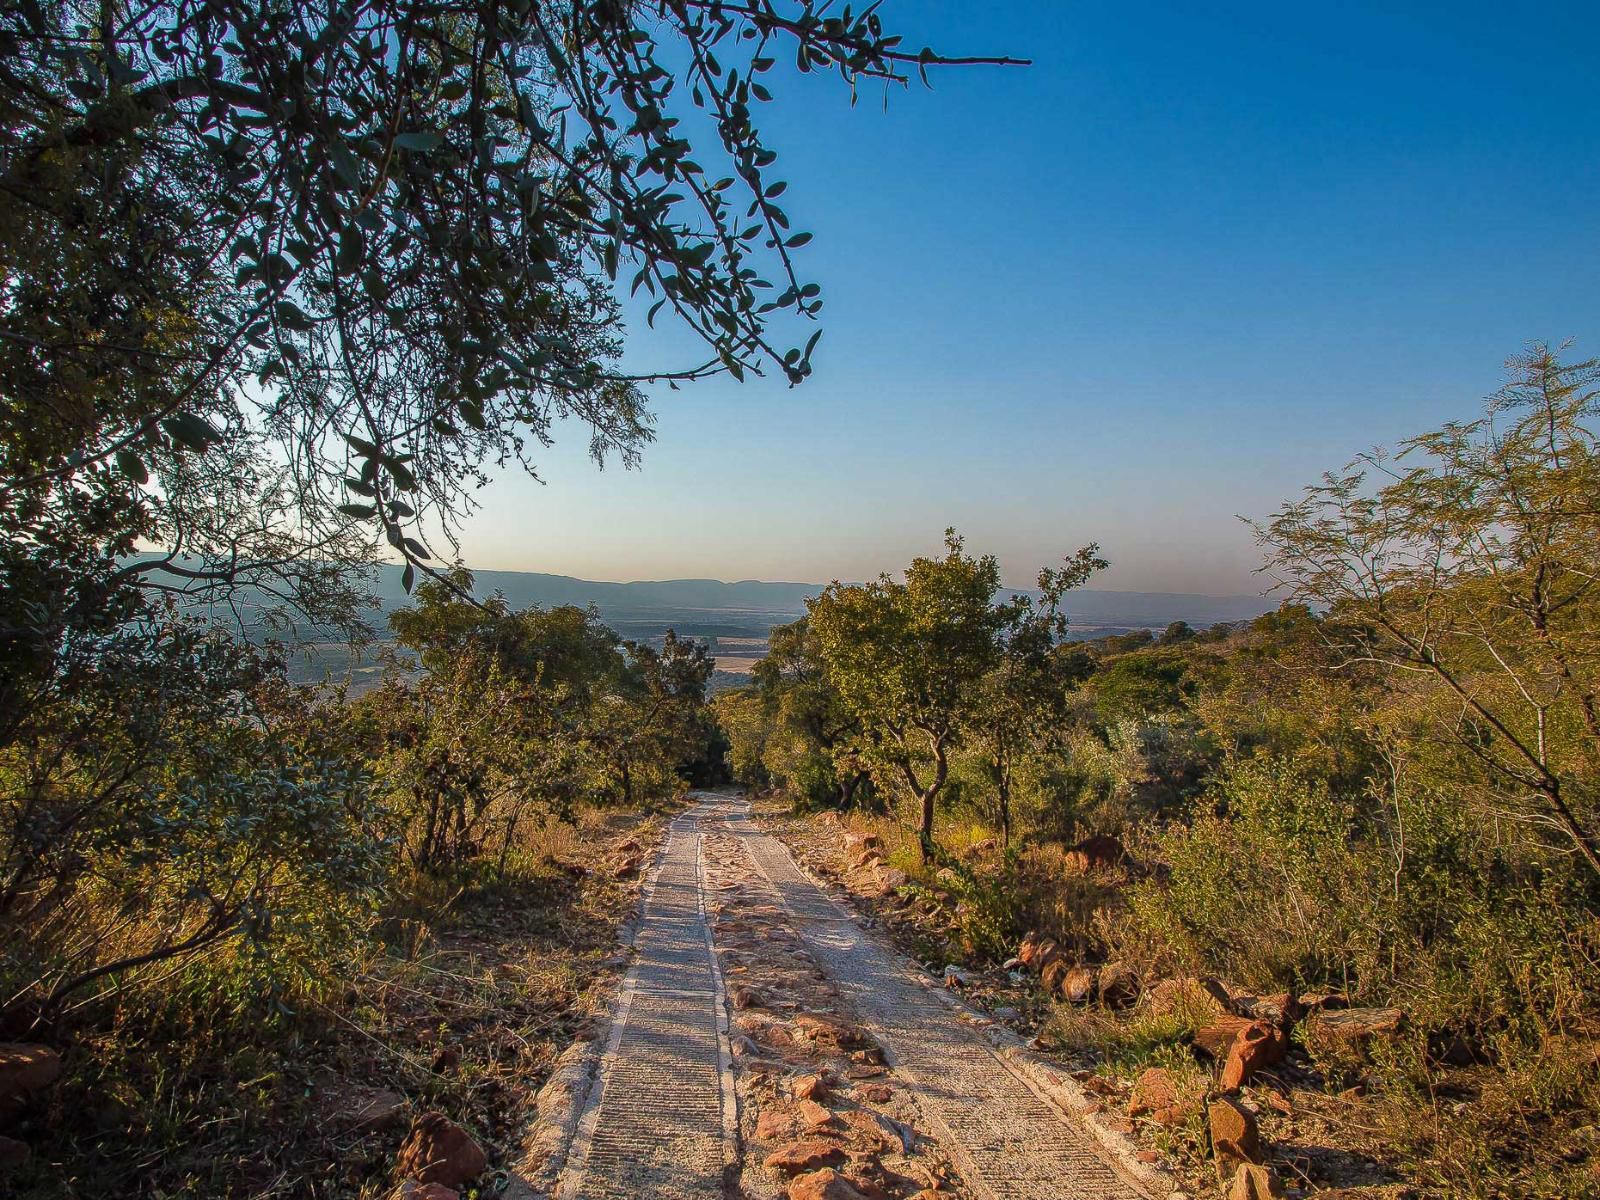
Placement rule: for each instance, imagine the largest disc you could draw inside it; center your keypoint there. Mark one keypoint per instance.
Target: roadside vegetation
(1350, 845)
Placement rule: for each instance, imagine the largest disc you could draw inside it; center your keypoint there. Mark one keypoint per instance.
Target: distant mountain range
(750, 596)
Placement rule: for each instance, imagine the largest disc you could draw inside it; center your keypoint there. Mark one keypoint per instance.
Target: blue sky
(1162, 278)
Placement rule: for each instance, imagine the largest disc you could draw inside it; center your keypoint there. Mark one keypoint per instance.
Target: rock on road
(661, 1118)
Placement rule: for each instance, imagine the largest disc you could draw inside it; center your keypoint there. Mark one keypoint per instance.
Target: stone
(412, 1189)
(1217, 1038)
(866, 1131)
(1317, 1001)
(809, 1087)
(1006, 1013)
(875, 1093)
(987, 846)
(1050, 978)
(1235, 1138)
(1155, 1095)
(628, 867)
(810, 1155)
(1094, 854)
(776, 1121)
(1252, 1181)
(437, 1150)
(1281, 1009)
(893, 880)
(1045, 953)
(25, 1068)
(829, 1032)
(1189, 996)
(857, 842)
(1119, 985)
(826, 1184)
(812, 1115)
(743, 996)
(1027, 948)
(954, 976)
(1354, 1026)
(1258, 1045)
(1078, 984)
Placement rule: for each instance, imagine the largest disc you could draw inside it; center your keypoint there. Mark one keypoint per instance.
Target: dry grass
(460, 1005)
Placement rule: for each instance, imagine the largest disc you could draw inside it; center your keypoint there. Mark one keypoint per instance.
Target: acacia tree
(908, 657)
(1022, 699)
(1469, 576)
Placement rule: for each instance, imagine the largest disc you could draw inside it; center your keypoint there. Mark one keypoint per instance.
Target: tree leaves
(419, 141)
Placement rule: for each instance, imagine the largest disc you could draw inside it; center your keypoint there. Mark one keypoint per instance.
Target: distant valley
(734, 619)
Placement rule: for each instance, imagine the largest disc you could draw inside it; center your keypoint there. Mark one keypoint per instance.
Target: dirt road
(765, 1044)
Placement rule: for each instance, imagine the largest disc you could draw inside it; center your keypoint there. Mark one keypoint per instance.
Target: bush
(1285, 883)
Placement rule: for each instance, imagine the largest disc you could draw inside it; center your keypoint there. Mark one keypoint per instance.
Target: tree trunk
(1003, 787)
(925, 828)
(928, 795)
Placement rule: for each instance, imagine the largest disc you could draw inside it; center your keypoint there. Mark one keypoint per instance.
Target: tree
(907, 659)
(373, 251)
(813, 747)
(1468, 575)
(1021, 700)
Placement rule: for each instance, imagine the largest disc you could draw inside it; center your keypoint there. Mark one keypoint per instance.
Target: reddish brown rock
(866, 1132)
(437, 1150)
(808, 1155)
(1119, 985)
(1259, 1045)
(1027, 948)
(1235, 1138)
(1252, 1181)
(829, 1032)
(25, 1069)
(1045, 953)
(1217, 1038)
(411, 1189)
(1094, 854)
(774, 1123)
(744, 996)
(812, 1115)
(1050, 978)
(809, 1087)
(1354, 1026)
(1317, 1001)
(826, 1184)
(854, 842)
(628, 867)
(875, 1093)
(1281, 1009)
(1079, 983)
(1155, 1095)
